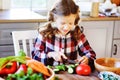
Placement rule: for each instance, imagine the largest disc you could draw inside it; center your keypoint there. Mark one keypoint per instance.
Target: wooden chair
(23, 40)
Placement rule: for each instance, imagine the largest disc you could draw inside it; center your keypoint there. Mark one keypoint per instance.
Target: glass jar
(95, 9)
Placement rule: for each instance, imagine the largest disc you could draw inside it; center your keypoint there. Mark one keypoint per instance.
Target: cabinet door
(116, 49)
(117, 29)
(99, 35)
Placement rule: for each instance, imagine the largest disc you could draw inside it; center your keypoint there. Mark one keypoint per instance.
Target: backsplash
(89, 0)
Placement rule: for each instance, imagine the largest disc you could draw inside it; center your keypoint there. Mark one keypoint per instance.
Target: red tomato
(83, 69)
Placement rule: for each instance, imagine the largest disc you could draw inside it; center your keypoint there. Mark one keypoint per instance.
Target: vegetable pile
(69, 68)
(80, 69)
(22, 68)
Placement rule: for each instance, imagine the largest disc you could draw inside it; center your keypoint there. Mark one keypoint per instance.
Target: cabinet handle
(115, 53)
(82, 29)
(10, 33)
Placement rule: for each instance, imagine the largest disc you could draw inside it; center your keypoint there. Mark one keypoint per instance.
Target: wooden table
(67, 76)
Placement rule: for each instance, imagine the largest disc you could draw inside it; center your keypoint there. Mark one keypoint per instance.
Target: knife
(68, 61)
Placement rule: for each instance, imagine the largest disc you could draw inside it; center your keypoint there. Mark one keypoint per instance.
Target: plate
(106, 75)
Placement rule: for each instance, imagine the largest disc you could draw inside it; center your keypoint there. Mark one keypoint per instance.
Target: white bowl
(109, 75)
(52, 74)
(108, 64)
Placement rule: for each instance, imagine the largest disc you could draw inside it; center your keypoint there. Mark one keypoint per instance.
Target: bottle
(95, 9)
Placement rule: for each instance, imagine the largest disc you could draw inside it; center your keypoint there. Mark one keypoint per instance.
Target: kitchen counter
(23, 15)
(88, 18)
(20, 15)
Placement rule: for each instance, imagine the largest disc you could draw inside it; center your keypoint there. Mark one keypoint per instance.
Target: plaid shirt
(66, 44)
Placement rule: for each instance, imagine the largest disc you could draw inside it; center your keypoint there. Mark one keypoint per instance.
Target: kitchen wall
(0, 4)
(5, 4)
(89, 0)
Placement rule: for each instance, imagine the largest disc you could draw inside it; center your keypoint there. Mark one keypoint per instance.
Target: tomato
(83, 69)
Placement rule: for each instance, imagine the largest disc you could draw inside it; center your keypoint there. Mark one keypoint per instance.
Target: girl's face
(65, 23)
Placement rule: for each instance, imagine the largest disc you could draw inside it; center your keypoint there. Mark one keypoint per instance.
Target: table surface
(67, 76)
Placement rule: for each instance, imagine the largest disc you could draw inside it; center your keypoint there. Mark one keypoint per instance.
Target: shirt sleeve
(85, 48)
(38, 52)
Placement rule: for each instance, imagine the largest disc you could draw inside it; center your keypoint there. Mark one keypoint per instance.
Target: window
(29, 4)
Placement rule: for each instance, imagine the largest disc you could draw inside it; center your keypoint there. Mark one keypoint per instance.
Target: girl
(61, 37)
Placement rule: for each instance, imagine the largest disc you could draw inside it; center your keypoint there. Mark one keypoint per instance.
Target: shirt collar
(66, 36)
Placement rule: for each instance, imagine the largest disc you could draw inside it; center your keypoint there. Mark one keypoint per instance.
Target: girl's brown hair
(62, 8)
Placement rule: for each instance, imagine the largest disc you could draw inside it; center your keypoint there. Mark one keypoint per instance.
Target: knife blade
(68, 61)
(71, 61)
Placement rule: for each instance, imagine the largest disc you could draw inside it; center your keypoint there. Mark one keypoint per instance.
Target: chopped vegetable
(29, 70)
(38, 66)
(56, 78)
(23, 67)
(70, 70)
(61, 67)
(21, 53)
(5, 60)
(56, 70)
(30, 75)
(9, 69)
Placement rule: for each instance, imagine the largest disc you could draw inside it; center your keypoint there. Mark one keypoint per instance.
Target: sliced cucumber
(70, 70)
(56, 70)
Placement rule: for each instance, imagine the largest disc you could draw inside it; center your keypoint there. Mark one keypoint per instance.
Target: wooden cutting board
(67, 76)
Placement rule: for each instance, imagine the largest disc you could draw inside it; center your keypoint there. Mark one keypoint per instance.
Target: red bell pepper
(9, 70)
(23, 67)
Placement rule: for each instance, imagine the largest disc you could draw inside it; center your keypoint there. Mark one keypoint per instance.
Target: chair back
(23, 40)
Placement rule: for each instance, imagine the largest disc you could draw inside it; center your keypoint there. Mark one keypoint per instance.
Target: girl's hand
(83, 59)
(57, 56)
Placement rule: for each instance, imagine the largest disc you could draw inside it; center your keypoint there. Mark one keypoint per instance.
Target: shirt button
(62, 50)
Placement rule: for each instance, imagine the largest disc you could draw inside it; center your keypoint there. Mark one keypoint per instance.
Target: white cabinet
(116, 49)
(99, 35)
(116, 40)
(117, 30)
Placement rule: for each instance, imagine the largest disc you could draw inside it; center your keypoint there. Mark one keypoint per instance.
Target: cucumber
(71, 65)
(56, 70)
(70, 70)
(61, 67)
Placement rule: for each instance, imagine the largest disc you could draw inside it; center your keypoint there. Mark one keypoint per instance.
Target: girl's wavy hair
(62, 8)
